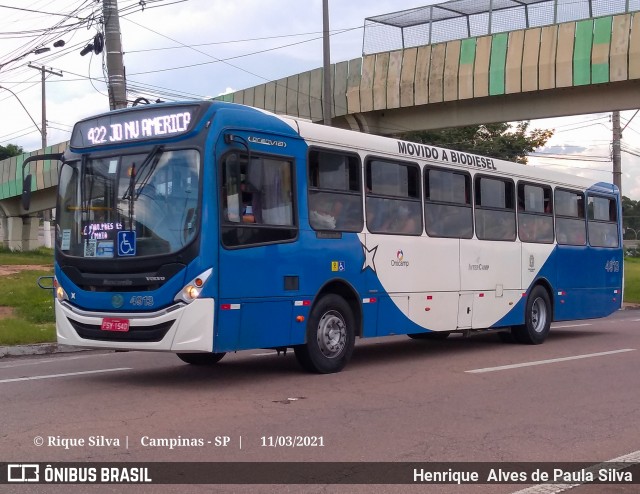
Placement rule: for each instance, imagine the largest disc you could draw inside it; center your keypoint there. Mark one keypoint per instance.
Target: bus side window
(570, 217)
(603, 226)
(447, 204)
(335, 192)
(495, 208)
(393, 198)
(257, 202)
(535, 218)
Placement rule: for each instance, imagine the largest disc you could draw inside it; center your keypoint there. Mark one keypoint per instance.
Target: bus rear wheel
(330, 336)
(537, 318)
(201, 358)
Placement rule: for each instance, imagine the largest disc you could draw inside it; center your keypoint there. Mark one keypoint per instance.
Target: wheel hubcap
(332, 334)
(538, 315)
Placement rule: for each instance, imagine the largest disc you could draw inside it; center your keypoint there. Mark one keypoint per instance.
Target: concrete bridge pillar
(3, 231)
(30, 226)
(12, 227)
(20, 233)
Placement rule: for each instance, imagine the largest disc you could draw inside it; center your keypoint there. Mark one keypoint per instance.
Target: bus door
(259, 259)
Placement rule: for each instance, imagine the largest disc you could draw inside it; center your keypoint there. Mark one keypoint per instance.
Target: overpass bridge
(582, 66)
(585, 66)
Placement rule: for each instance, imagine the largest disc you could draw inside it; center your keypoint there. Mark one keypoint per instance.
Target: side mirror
(26, 192)
(26, 181)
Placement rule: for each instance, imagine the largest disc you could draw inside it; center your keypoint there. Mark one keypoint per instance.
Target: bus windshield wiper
(152, 158)
(86, 170)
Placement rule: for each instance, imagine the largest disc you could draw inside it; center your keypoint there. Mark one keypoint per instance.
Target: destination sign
(431, 152)
(134, 125)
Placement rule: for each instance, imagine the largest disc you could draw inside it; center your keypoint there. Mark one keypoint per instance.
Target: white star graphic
(369, 258)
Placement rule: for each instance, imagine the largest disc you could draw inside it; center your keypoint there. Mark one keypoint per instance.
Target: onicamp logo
(399, 261)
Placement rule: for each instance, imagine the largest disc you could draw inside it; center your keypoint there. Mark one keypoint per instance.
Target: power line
(36, 11)
(22, 135)
(245, 40)
(631, 153)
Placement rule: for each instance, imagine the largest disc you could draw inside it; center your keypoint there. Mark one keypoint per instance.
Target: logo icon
(399, 260)
(23, 472)
(117, 301)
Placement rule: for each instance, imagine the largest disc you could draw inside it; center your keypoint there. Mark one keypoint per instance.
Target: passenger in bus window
(499, 226)
(399, 220)
(347, 213)
(380, 216)
(411, 227)
(545, 230)
(321, 214)
(526, 228)
(372, 217)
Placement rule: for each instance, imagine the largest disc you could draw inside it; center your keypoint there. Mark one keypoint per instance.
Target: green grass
(40, 256)
(30, 302)
(15, 331)
(632, 280)
(32, 318)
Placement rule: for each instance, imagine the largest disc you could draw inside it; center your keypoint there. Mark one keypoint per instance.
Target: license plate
(111, 324)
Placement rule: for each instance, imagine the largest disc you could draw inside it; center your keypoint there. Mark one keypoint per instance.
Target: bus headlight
(191, 290)
(59, 291)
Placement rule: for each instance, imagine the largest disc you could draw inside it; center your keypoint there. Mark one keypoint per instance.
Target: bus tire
(201, 358)
(330, 336)
(537, 318)
(433, 335)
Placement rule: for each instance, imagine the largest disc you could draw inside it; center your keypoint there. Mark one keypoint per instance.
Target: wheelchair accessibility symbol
(126, 243)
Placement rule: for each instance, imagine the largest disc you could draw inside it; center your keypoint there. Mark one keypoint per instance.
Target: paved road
(399, 400)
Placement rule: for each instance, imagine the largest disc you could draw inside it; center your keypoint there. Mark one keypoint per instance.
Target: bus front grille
(136, 333)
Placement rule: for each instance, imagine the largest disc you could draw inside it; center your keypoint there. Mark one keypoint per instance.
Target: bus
(202, 228)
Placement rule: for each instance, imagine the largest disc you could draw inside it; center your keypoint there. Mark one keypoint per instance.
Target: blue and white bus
(209, 227)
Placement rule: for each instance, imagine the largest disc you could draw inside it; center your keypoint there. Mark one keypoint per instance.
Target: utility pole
(44, 71)
(115, 64)
(615, 154)
(326, 94)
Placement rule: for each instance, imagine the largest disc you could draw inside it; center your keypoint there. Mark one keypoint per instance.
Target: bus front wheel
(201, 358)
(330, 336)
(537, 318)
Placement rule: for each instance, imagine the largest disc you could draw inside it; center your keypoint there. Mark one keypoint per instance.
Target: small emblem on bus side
(267, 142)
(117, 301)
(338, 266)
(399, 261)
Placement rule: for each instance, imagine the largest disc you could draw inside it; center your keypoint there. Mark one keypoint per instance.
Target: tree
(630, 218)
(9, 151)
(498, 140)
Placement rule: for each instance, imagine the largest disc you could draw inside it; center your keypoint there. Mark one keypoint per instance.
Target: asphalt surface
(573, 399)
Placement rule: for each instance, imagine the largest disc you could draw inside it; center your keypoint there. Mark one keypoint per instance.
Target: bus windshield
(130, 205)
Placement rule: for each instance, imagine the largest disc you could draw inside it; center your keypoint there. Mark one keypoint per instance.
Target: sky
(173, 49)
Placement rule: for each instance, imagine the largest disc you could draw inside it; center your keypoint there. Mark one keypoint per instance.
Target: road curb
(36, 349)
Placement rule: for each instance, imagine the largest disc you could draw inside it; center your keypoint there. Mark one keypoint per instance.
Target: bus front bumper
(179, 328)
